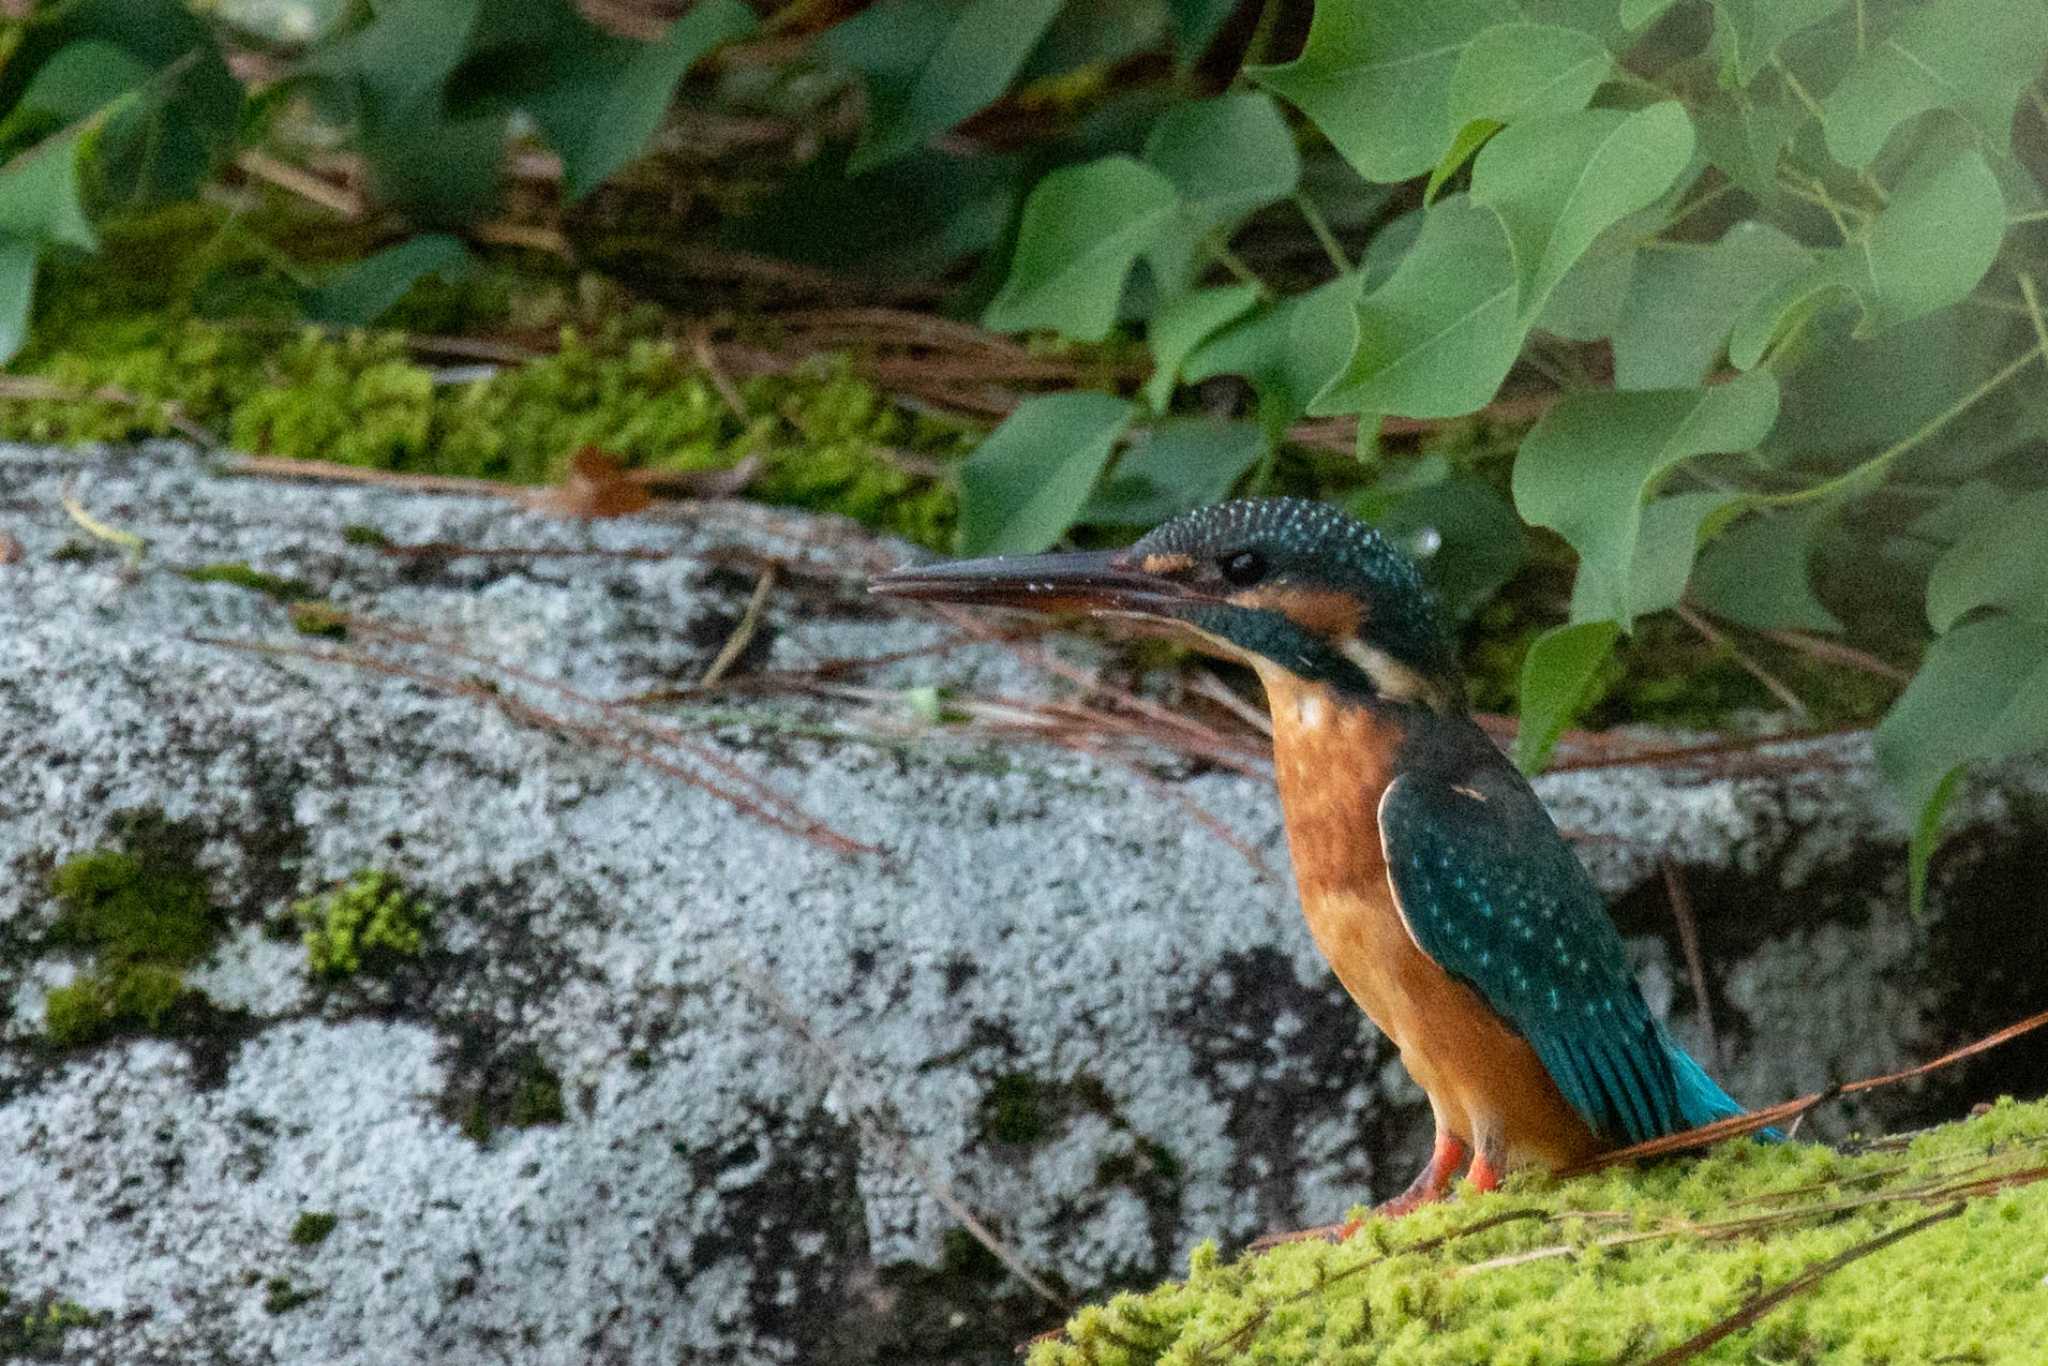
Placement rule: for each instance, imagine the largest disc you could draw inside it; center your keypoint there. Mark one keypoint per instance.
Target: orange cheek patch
(1166, 564)
(1334, 616)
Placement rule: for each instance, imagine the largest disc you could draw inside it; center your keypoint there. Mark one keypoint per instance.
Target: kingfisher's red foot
(1484, 1174)
(1432, 1183)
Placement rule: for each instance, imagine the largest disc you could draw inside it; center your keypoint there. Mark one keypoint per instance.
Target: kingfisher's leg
(1432, 1181)
(1489, 1163)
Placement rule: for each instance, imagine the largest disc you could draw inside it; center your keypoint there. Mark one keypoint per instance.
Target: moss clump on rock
(36, 1332)
(369, 923)
(311, 1228)
(122, 340)
(239, 575)
(1632, 1262)
(144, 915)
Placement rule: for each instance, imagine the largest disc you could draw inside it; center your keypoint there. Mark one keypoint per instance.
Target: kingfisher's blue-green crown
(1295, 546)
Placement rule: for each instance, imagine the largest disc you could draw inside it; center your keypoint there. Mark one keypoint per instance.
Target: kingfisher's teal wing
(1491, 891)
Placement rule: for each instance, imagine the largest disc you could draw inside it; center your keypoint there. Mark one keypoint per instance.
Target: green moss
(1013, 1111)
(280, 1296)
(1629, 1263)
(311, 1228)
(355, 533)
(369, 923)
(37, 1331)
(143, 915)
(255, 580)
(121, 334)
(538, 1097)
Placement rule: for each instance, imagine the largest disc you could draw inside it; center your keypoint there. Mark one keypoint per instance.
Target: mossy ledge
(1631, 1263)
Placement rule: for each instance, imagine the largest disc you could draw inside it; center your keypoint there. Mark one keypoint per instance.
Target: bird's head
(1279, 583)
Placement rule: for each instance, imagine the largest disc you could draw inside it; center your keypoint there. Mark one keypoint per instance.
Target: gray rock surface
(1055, 999)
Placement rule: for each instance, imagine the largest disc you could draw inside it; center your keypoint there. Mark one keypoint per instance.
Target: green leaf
(929, 64)
(1972, 56)
(1082, 228)
(1748, 33)
(606, 100)
(1586, 304)
(1981, 693)
(1288, 350)
(1756, 575)
(1558, 182)
(1181, 464)
(1227, 158)
(1557, 675)
(360, 294)
(1744, 136)
(39, 194)
(17, 292)
(1683, 299)
(1376, 78)
(1513, 71)
(1472, 541)
(2002, 562)
(1438, 337)
(1935, 239)
(1184, 324)
(1671, 534)
(1636, 14)
(1464, 146)
(80, 78)
(1025, 484)
(1195, 25)
(1586, 468)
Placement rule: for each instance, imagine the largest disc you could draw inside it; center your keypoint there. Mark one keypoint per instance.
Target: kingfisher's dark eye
(1243, 568)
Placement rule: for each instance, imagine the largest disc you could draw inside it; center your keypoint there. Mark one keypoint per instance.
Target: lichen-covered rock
(665, 1079)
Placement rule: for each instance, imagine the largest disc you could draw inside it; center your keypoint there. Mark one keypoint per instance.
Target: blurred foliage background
(1696, 346)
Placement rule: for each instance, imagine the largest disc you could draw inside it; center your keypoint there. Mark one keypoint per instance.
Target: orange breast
(1333, 762)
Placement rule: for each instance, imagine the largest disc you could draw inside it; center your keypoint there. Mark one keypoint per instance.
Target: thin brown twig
(743, 634)
(869, 1115)
(800, 825)
(707, 360)
(1759, 1305)
(336, 199)
(1749, 664)
(1689, 941)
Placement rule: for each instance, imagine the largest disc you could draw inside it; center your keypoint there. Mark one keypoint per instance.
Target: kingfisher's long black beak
(1104, 581)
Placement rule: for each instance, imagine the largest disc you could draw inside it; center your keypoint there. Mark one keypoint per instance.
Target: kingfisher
(1430, 875)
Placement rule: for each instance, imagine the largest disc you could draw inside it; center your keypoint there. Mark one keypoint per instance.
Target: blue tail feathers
(1700, 1098)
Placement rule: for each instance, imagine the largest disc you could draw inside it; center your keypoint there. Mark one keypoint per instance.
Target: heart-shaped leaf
(1376, 78)
(1557, 676)
(1184, 324)
(1586, 468)
(1082, 229)
(1981, 693)
(1972, 56)
(1438, 337)
(1559, 182)
(929, 64)
(2001, 562)
(1512, 71)
(1027, 482)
